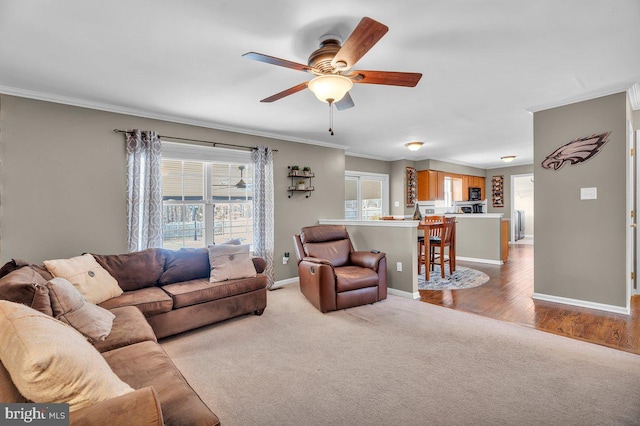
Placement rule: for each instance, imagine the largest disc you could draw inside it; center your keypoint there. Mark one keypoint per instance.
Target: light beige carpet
(401, 362)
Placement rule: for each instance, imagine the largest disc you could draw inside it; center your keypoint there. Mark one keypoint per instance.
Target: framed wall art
(497, 191)
(412, 186)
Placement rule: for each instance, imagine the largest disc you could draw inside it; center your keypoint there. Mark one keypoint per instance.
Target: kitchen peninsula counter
(478, 239)
(398, 239)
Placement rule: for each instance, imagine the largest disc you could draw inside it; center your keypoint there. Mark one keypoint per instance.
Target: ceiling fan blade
(277, 61)
(345, 103)
(287, 92)
(364, 37)
(390, 78)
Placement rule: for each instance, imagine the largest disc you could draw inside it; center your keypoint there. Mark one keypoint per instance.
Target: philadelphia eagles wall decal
(576, 151)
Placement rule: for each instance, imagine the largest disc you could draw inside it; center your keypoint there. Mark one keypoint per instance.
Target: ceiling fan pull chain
(330, 116)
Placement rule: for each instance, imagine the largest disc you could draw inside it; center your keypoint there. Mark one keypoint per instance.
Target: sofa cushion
(8, 390)
(50, 362)
(70, 307)
(200, 291)
(151, 301)
(129, 327)
(26, 286)
(229, 262)
(354, 277)
(14, 264)
(185, 264)
(91, 279)
(259, 263)
(146, 364)
(134, 270)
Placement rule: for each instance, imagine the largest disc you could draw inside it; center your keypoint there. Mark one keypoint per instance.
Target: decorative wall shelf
(299, 182)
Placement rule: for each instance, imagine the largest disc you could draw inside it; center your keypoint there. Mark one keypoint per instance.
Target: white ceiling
(484, 64)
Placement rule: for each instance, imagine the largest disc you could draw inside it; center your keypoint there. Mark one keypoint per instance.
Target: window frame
(207, 156)
(359, 177)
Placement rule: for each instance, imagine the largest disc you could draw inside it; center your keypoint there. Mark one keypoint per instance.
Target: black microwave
(474, 194)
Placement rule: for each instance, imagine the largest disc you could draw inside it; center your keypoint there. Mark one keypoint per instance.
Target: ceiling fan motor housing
(321, 58)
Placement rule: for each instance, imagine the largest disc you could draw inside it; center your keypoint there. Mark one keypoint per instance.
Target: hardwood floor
(507, 297)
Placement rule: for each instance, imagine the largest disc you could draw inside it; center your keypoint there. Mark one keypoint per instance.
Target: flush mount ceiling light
(508, 158)
(330, 88)
(414, 146)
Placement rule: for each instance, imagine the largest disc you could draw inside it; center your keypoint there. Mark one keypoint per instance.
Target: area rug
(400, 362)
(460, 279)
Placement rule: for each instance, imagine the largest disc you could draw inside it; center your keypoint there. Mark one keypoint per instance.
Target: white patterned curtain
(263, 234)
(144, 190)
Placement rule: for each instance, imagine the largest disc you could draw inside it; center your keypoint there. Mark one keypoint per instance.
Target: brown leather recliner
(332, 275)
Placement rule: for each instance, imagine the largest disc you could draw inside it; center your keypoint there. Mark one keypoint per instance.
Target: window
(207, 196)
(366, 196)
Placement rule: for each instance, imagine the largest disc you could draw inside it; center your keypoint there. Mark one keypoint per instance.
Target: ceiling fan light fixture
(330, 88)
(414, 146)
(508, 158)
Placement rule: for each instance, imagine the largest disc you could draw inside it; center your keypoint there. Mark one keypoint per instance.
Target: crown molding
(583, 97)
(367, 156)
(118, 109)
(634, 96)
(510, 165)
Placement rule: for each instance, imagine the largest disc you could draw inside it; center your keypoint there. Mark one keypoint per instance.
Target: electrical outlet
(399, 266)
(285, 260)
(396, 203)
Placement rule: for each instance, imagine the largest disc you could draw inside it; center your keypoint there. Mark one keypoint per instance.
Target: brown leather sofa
(172, 289)
(332, 275)
(165, 292)
(162, 396)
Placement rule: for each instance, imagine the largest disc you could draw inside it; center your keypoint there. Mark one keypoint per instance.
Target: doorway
(522, 209)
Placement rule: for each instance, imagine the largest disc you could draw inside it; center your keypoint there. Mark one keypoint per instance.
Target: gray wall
(443, 166)
(397, 187)
(63, 182)
(580, 245)
(366, 165)
(507, 172)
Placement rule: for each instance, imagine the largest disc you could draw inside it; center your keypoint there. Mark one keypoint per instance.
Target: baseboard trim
(281, 283)
(402, 293)
(582, 303)
(473, 259)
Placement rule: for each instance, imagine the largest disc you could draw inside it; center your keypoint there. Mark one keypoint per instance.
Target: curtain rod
(213, 144)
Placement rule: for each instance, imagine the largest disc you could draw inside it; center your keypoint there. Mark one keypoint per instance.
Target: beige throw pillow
(70, 307)
(50, 362)
(229, 262)
(84, 272)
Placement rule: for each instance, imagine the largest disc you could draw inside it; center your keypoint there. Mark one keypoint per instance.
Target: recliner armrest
(316, 260)
(366, 259)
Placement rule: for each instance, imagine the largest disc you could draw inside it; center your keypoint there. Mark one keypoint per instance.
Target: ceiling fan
(241, 184)
(331, 65)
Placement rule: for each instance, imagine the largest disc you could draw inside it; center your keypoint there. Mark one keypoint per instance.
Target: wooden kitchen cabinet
(465, 187)
(429, 188)
(440, 185)
(431, 185)
(477, 182)
(423, 185)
